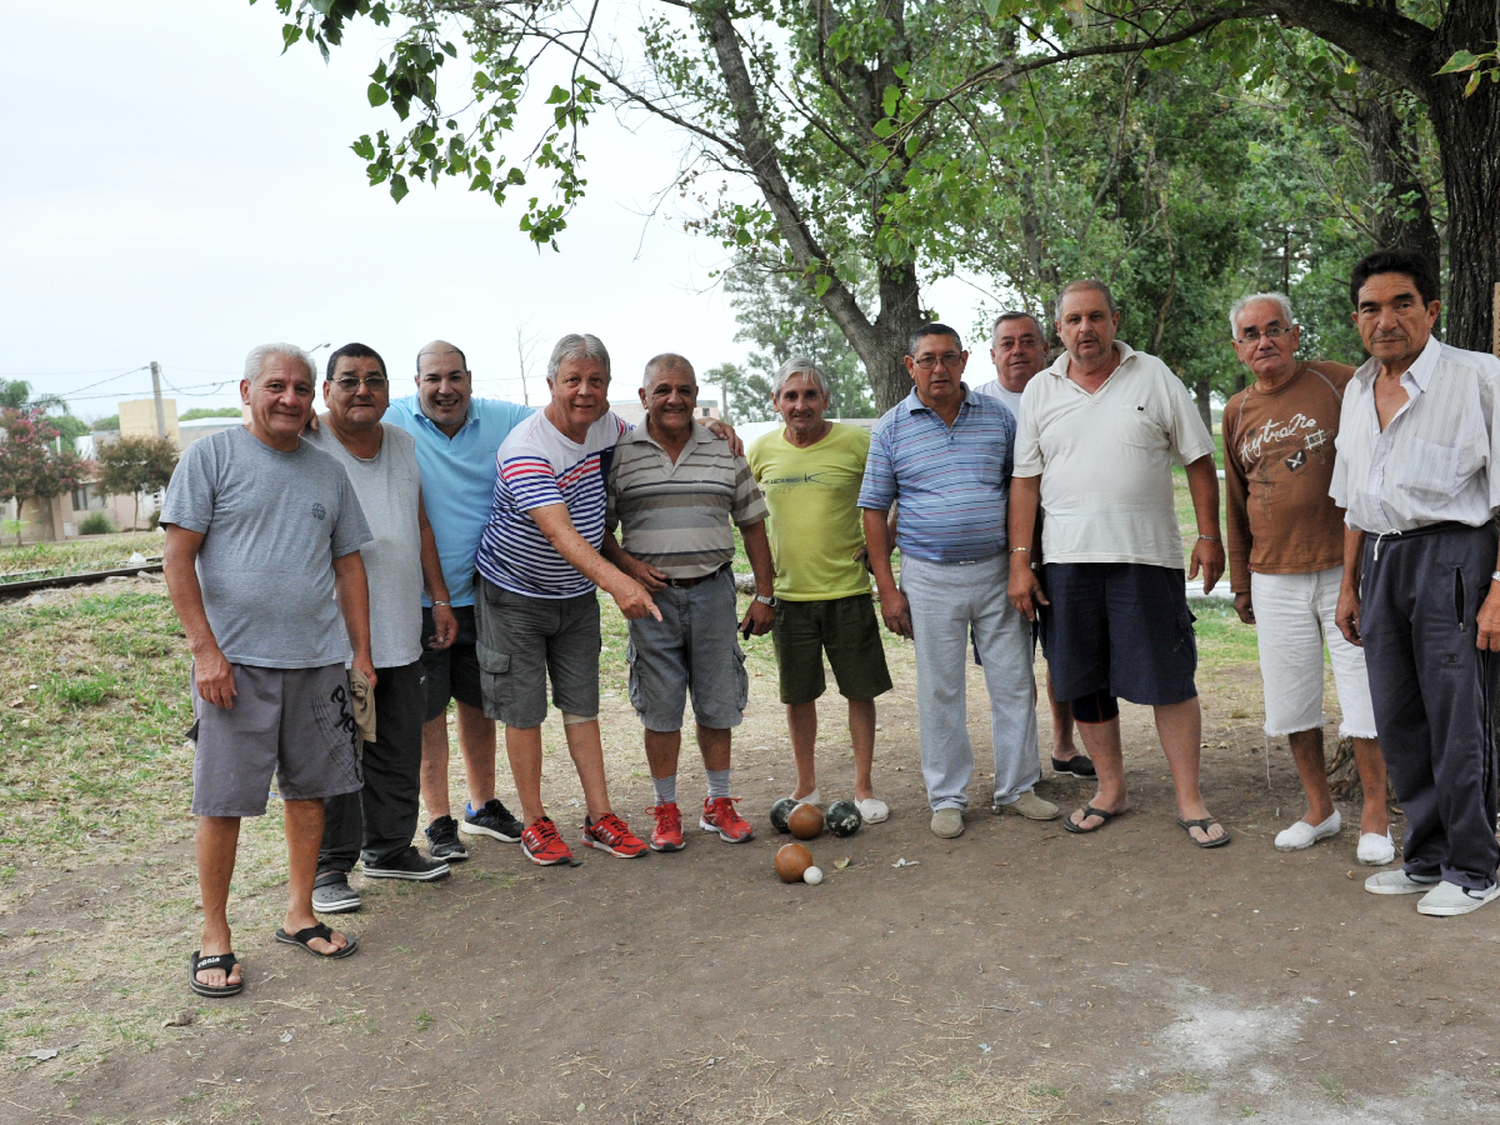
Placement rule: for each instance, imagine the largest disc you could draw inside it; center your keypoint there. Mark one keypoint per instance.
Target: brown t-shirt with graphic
(1278, 463)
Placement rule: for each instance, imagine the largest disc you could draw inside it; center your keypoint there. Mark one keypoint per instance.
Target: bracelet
(1495, 577)
(435, 604)
(1211, 538)
(1014, 550)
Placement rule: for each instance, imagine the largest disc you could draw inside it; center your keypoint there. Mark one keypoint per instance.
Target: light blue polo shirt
(458, 480)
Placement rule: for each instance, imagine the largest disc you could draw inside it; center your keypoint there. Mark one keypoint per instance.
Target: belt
(689, 583)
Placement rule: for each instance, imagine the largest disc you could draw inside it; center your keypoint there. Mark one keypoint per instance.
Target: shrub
(96, 523)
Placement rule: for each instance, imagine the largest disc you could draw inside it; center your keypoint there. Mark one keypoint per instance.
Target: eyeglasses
(1272, 332)
(931, 362)
(351, 385)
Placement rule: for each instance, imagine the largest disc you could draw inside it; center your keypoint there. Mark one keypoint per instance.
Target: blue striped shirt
(539, 466)
(953, 482)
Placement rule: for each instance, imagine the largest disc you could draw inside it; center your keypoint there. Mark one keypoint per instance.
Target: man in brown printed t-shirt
(1286, 548)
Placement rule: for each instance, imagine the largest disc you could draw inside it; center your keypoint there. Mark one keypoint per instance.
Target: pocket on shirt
(1429, 469)
(1136, 427)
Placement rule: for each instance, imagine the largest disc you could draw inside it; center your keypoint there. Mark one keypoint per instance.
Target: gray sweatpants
(946, 599)
(377, 823)
(1434, 694)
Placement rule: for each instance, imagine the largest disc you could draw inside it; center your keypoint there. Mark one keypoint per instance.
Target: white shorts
(1294, 619)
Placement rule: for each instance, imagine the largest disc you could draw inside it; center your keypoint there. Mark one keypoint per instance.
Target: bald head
(444, 386)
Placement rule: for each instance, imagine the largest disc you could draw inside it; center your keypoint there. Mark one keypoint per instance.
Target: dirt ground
(1017, 973)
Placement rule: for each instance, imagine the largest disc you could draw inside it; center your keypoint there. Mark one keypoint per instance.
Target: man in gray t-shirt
(262, 558)
(376, 825)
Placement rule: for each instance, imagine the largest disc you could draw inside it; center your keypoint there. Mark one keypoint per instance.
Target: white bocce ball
(813, 876)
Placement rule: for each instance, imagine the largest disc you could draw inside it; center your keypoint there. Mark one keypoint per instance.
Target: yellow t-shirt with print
(815, 527)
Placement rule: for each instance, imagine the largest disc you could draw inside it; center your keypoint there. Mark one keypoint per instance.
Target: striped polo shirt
(677, 517)
(539, 466)
(953, 482)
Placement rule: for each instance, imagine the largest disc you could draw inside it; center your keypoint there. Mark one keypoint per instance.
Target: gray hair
(1086, 283)
(1007, 317)
(577, 345)
(1277, 299)
(667, 361)
(255, 362)
(798, 365)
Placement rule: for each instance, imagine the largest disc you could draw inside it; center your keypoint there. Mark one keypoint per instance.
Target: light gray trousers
(946, 600)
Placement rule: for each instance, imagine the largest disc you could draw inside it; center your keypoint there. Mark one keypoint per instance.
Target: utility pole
(161, 413)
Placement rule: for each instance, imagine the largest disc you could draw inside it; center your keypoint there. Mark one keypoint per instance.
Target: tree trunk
(900, 315)
(1468, 135)
(1406, 217)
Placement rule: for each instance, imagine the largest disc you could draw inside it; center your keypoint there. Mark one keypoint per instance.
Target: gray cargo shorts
(523, 641)
(694, 647)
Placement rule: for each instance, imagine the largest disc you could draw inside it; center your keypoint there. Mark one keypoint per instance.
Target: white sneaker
(872, 810)
(1447, 899)
(1375, 850)
(1303, 835)
(1398, 882)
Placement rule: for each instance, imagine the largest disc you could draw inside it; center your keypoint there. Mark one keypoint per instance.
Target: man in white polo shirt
(1099, 430)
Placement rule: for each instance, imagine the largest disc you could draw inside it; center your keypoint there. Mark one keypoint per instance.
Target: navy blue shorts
(1120, 629)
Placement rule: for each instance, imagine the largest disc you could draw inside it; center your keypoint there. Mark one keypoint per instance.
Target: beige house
(62, 516)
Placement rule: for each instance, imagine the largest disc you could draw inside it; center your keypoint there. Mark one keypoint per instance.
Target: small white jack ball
(813, 876)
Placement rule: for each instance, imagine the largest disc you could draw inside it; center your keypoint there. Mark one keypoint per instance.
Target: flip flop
(1088, 811)
(1189, 825)
(225, 961)
(302, 937)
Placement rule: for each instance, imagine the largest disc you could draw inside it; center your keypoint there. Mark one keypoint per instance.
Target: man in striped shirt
(945, 454)
(538, 614)
(674, 490)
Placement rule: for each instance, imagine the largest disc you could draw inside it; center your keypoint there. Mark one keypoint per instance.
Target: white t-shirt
(996, 389)
(389, 487)
(1105, 460)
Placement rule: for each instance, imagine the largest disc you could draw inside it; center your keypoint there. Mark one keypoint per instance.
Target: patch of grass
(1223, 639)
(976, 1096)
(50, 560)
(1334, 1088)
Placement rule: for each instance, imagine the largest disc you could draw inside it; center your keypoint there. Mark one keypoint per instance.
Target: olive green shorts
(845, 628)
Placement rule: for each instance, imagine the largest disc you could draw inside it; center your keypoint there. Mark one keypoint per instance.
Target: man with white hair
(538, 615)
(1286, 560)
(675, 489)
(810, 472)
(262, 535)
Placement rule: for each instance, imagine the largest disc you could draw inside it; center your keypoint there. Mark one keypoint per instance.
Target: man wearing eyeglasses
(457, 438)
(945, 455)
(376, 825)
(1100, 429)
(1286, 561)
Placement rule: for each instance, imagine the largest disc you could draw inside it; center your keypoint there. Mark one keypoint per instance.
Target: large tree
(868, 127)
(130, 466)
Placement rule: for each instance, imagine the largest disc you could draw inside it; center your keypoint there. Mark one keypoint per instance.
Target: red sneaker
(613, 835)
(541, 844)
(719, 816)
(667, 835)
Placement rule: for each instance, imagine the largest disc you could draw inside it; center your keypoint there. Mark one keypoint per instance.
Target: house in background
(62, 516)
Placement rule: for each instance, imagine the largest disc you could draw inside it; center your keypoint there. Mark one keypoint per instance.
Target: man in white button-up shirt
(1417, 448)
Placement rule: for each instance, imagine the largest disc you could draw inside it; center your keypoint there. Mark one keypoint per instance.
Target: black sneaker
(332, 894)
(1076, 766)
(410, 864)
(443, 842)
(492, 820)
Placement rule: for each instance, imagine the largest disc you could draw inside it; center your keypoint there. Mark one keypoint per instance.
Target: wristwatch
(771, 601)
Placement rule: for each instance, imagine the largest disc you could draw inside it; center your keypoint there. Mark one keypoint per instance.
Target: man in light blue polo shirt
(457, 438)
(945, 454)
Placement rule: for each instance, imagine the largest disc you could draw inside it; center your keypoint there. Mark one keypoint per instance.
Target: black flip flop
(1189, 825)
(225, 961)
(1088, 811)
(302, 937)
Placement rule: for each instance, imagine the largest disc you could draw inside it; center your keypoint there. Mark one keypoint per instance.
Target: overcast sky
(180, 191)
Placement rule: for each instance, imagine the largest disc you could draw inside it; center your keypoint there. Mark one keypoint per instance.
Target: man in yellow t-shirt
(810, 472)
